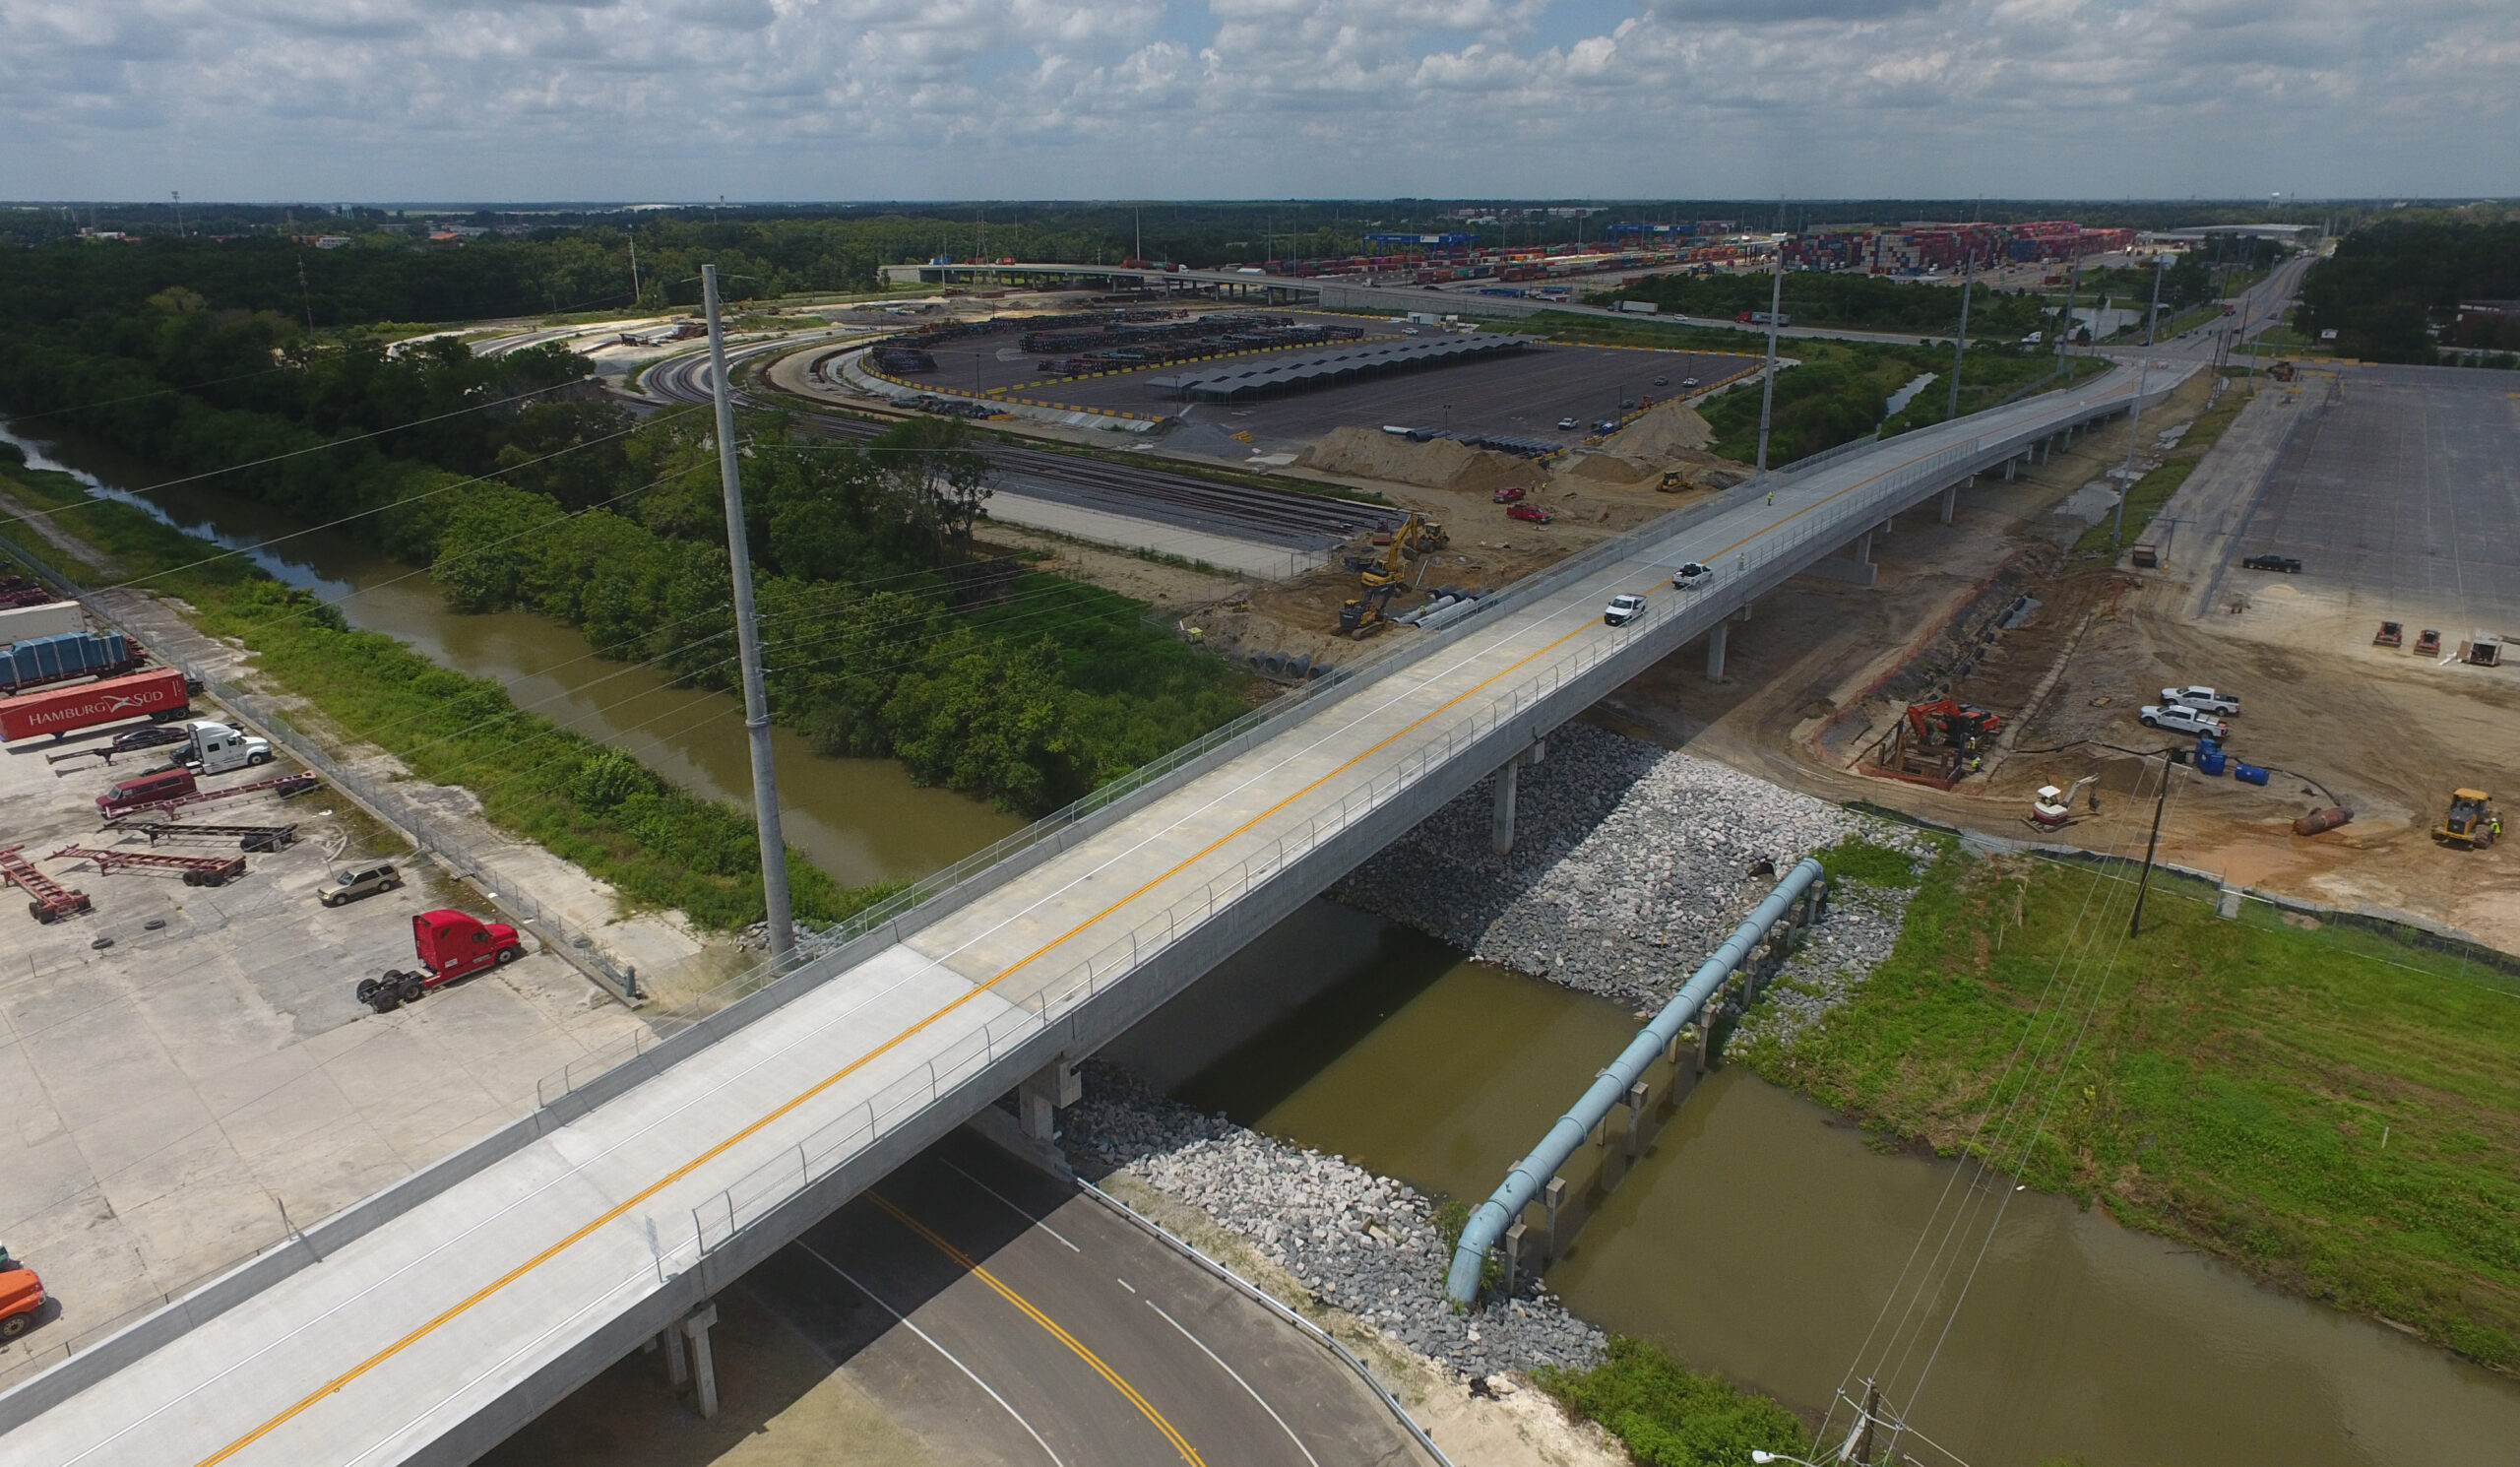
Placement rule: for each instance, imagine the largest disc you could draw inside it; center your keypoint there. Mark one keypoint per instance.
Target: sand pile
(1439, 464)
(1662, 429)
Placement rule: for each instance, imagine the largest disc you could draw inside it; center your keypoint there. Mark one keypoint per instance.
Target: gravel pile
(1630, 864)
(1361, 1242)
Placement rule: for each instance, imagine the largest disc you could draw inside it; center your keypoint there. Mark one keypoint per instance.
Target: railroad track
(1186, 502)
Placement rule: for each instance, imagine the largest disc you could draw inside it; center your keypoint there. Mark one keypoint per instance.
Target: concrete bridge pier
(2010, 465)
(1715, 641)
(1949, 503)
(688, 1361)
(1500, 828)
(1048, 1091)
(1854, 566)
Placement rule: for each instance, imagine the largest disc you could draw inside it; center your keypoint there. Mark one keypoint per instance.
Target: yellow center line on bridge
(1180, 1444)
(788, 1107)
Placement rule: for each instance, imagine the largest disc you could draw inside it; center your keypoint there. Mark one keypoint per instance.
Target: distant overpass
(429, 1321)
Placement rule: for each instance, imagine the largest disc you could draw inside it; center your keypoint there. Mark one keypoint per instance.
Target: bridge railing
(769, 1184)
(1826, 522)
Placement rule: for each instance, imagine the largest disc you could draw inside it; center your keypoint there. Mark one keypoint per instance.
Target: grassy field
(2154, 489)
(2332, 1109)
(1670, 1416)
(589, 804)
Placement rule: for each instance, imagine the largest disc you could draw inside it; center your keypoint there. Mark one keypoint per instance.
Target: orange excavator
(1946, 723)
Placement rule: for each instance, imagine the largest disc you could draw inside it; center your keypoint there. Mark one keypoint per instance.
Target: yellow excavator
(1363, 615)
(1419, 536)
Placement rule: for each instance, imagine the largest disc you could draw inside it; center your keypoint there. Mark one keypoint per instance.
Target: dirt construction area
(1995, 610)
(185, 1072)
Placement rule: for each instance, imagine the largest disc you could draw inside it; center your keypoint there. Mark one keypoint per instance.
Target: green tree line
(521, 487)
(2386, 286)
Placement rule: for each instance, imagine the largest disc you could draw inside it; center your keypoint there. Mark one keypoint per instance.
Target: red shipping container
(159, 694)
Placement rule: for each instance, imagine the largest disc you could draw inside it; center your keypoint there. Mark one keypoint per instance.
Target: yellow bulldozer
(2470, 820)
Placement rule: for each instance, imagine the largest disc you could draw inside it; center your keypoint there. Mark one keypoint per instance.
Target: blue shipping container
(65, 655)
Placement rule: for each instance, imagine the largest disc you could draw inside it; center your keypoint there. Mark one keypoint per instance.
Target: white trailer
(51, 619)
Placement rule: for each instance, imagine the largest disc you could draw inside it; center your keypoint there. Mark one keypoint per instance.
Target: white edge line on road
(939, 1349)
(1011, 1204)
(1239, 1380)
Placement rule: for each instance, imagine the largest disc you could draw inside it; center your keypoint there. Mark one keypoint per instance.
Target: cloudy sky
(679, 99)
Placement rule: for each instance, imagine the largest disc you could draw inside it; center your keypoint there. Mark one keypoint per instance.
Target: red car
(1509, 495)
(1531, 512)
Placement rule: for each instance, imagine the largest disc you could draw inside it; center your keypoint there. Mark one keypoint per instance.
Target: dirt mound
(1661, 430)
(1439, 464)
(1610, 468)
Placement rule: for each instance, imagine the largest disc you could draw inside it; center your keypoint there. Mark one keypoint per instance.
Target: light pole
(2153, 317)
(2126, 474)
(765, 783)
(1767, 392)
(1960, 344)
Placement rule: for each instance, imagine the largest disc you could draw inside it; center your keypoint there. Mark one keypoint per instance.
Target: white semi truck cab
(215, 748)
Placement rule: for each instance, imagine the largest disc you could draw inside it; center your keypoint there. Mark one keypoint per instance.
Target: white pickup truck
(2182, 719)
(2202, 699)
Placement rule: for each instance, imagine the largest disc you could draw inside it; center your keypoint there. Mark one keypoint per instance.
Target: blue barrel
(2248, 774)
(2210, 757)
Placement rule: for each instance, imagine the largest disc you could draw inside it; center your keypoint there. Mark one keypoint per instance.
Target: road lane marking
(788, 1107)
(1180, 1444)
(1239, 1380)
(949, 1355)
(1011, 1204)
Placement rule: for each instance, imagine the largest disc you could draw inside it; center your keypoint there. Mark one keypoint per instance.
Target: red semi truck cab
(450, 944)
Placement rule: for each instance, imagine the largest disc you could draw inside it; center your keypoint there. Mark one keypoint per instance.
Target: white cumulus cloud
(486, 99)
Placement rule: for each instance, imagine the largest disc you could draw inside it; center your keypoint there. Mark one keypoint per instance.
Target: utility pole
(764, 781)
(304, 297)
(634, 268)
(2126, 474)
(1137, 219)
(2153, 317)
(2135, 918)
(1767, 394)
(1960, 344)
(179, 212)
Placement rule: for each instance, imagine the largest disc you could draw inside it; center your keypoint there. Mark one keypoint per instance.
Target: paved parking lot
(184, 1073)
(1525, 394)
(2401, 495)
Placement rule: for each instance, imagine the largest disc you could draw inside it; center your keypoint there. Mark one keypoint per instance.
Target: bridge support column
(1854, 566)
(1715, 641)
(1500, 828)
(2010, 465)
(1048, 1091)
(1950, 502)
(677, 1360)
(694, 1327)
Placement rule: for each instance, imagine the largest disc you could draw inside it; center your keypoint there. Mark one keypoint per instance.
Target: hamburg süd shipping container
(159, 694)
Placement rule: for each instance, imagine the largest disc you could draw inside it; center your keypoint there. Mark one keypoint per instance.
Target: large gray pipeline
(1529, 1176)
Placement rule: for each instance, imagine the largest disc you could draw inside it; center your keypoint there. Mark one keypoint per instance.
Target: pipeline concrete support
(1536, 1171)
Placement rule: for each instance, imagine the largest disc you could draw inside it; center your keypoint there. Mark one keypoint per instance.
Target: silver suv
(350, 883)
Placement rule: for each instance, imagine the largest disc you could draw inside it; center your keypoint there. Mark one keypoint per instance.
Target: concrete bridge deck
(436, 1318)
